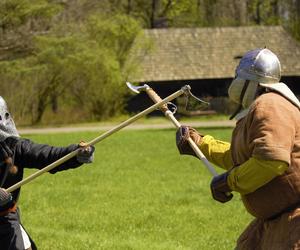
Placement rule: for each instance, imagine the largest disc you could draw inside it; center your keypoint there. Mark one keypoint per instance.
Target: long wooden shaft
(156, 98)
(97, 139)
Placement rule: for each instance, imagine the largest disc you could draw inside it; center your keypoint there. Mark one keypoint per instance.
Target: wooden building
(206, 58)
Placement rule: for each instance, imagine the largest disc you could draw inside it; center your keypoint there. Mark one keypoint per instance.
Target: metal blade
(136, 89)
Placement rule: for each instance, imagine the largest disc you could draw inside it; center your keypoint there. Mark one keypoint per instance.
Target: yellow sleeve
(216, 151)
(253, 174)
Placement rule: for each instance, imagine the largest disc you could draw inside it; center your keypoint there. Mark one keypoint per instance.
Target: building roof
(206, 53)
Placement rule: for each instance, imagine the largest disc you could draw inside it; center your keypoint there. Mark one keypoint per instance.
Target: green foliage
(263, 12)
(117, 32)
(85, 66)
(148, 197)
(101, 66)
(14, 13)
(184, 14)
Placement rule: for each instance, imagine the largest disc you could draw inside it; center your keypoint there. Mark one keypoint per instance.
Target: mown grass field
(138, 194)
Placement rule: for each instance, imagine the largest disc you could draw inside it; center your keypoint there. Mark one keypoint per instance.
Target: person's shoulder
(270, 97)
(273, 106)
(12, 140)
(274, 100)
(17, 142)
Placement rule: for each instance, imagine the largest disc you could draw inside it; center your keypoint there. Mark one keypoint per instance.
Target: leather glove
(220, 189)
(182, 135)
(85, 153)
(6, 200)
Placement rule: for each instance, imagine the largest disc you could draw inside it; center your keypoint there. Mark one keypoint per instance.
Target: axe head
(137, 89)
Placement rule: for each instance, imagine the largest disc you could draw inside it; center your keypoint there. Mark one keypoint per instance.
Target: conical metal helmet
(260, 65)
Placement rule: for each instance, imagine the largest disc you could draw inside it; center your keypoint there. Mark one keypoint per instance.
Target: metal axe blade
(137, 89)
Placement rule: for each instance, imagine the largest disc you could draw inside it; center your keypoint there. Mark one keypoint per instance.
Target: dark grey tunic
(28, 154)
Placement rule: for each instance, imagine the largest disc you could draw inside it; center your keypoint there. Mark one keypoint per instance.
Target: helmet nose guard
(260, 65)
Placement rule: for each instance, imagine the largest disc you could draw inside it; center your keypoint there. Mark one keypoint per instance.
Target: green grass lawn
(138, 194)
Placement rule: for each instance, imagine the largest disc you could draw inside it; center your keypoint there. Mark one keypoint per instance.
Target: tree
(104, 64)
(20, 20)
(85, 66)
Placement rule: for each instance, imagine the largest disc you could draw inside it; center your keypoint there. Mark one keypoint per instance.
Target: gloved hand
(182, 135)
(220, 189)
(85, 153)
(6, 200)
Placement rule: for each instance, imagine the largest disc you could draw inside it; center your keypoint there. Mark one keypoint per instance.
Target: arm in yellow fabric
(253, 174)
(216, 151)
(247, 177)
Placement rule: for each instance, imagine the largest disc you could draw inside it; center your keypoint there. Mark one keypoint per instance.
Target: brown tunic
(270, 131)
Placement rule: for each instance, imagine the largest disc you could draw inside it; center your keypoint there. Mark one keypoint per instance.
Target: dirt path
(202, 124)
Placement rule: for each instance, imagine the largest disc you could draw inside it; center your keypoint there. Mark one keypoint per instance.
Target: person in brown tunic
(262, 162)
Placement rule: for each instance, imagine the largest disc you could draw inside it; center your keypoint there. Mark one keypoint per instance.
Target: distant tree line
(73, 55)
(210, 13)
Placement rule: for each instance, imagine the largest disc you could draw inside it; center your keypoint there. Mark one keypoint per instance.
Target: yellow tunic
(250, 175)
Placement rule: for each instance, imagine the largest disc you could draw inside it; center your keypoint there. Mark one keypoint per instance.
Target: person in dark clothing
(16, 154)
